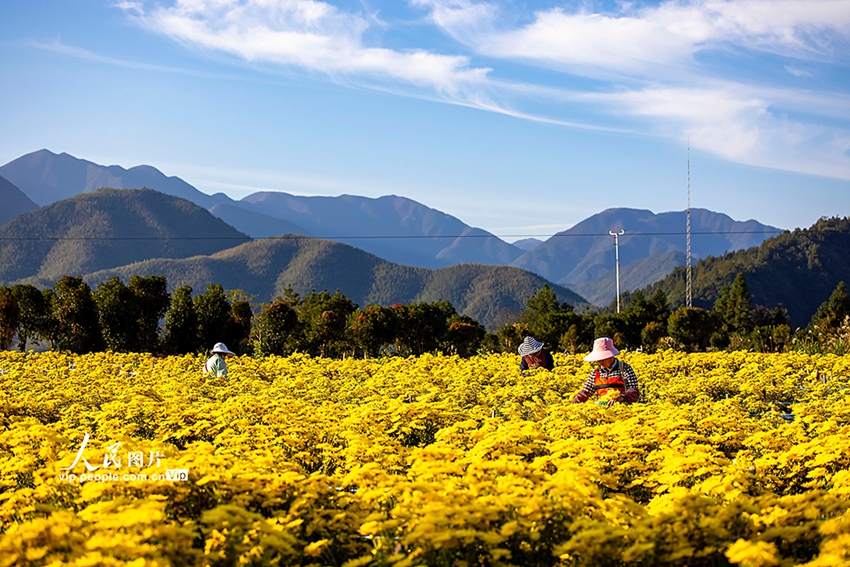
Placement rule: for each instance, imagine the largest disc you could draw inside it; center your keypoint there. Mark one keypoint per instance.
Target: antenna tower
(688, 289)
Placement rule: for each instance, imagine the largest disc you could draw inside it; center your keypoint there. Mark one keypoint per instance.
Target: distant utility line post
(617, 236)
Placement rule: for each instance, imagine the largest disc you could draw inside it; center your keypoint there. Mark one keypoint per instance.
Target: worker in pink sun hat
(612, 380)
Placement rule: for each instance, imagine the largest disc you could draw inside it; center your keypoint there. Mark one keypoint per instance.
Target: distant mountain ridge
(409, 232)
(391, 227)
(47, 177)
(583, 256)
(404, 231)
(493, 295)
(15, 202)
(108, 228)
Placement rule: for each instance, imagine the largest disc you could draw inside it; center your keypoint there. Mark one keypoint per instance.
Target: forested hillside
(798, 269)
(263, 269)
(108, 228)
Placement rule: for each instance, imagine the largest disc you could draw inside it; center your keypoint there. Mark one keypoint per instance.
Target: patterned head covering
(529, 345)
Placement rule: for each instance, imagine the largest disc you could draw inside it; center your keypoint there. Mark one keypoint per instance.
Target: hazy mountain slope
(47, 177)
(14, 201)
(107, 228)
(527, 244)
(585, 252)
(639, 274)
(264, 268)
(257, 225)
(400, 223)
(391, 227)
(798, 269)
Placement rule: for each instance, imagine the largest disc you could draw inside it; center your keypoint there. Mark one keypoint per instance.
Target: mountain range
(404, 231)
(395, 228)
(125, 232)
(493, 295)
(108, 228)
(583, 257)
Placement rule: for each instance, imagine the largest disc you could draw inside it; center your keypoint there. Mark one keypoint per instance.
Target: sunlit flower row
(125, 459)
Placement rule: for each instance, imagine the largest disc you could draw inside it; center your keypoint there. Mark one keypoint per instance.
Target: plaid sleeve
(632, 394)
(586, 390)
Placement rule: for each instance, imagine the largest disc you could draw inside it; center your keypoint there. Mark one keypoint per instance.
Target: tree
(238, 331)
(181, 323)
(374, 327)
(511, 336)
(610, 325)
(276, 326)
(78, 328)
(213, 313)
(833, 312)
(118, 312)
(734, 307)
(424, 327)
(659, 308)
(464, 335)
(547, 318)
(33, 321)
(692, 327)
(152, 301)
(50, 332)
(10, 314)
(651, 335)
(323, 317)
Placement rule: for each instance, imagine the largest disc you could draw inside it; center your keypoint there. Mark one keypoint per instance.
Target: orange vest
(603, 385)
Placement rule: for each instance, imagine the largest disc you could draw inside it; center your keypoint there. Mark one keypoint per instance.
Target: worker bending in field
(612, 380)
(534, 355)
(216, 367)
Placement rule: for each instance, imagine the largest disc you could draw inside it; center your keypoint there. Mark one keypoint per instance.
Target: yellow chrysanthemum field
(126, 459)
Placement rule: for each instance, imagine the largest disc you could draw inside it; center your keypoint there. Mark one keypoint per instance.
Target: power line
(377, 237)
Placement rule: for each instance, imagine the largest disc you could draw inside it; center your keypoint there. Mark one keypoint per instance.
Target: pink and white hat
(603, 348)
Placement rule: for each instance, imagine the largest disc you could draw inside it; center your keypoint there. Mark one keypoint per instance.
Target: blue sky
(522, 118)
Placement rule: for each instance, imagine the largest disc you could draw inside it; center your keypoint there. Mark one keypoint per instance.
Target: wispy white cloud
(647, 57)
(643, 57)
(83, 54)
(309, 34)
(797, 72)
(637, 39)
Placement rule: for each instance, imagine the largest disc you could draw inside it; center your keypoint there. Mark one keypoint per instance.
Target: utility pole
(689, 298)
(617, 236)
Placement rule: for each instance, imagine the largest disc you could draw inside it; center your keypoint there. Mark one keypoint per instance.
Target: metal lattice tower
(688, 289)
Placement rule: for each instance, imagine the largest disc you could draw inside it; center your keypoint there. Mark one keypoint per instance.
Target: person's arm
(523, 365)
(586, 391)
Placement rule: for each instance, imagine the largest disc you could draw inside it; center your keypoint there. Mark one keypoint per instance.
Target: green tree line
(142, 316)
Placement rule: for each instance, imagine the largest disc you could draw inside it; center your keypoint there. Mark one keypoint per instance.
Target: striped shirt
(618, 369)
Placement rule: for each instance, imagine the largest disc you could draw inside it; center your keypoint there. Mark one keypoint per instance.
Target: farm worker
(612, 380)
(534, 355)
(216, 366)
